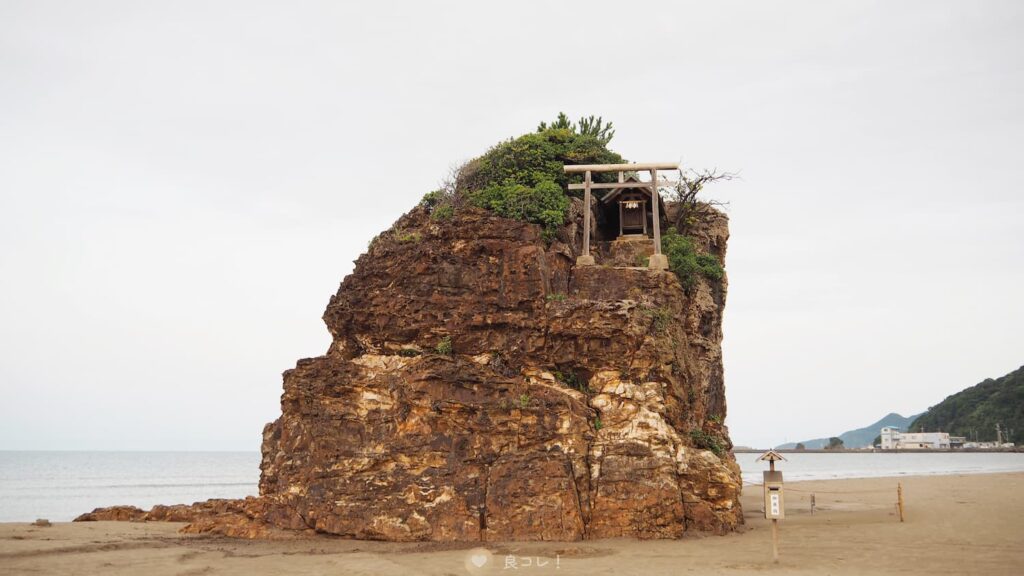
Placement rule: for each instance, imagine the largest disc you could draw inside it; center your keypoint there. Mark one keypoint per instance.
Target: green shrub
(523, 179)
(443, 212)
(556, 297)
(434, 198)
(545, 203)
(534, 158)
(409, 352)
(524, 400)
(403, 237)
(444, 346)
(587, 126)
(684, 260)
(598, 424)
(439, 203)
(572, 380)
(661, 318)
(705, 441)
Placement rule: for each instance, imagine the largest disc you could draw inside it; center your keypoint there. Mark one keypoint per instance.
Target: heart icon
(478, 560)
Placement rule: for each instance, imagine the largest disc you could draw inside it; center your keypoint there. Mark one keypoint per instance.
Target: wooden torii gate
(658, 261)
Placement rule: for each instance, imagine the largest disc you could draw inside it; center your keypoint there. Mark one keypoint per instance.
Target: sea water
(831, 466)
(61, 485)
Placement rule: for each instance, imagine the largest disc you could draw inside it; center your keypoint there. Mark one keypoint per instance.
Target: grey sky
(184, 184)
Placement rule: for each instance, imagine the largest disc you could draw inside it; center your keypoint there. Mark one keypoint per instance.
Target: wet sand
(972, 524)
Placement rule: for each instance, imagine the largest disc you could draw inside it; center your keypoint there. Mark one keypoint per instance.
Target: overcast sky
(184, 184)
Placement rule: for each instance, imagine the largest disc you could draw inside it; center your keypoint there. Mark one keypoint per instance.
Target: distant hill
(857, 438)
(974, 412)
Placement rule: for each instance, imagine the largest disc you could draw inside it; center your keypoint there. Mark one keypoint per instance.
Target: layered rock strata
(480, 387)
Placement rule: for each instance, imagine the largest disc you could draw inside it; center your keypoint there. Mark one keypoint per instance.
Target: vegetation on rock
(686, 262)
(522, 178)
(524, 400)
(690, 208)
(543, 204)
(706, 441)
(587, 126)
(444, 346)
(572, 380)
(404, 237)
(661, 318)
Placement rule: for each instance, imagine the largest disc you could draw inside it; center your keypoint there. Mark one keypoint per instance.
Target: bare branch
(453, 183)
(684, 194)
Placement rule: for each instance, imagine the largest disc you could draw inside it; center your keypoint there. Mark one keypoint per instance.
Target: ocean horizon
(60, 485)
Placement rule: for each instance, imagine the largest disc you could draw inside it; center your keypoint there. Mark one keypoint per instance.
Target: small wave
(189, 485)
(85, 486)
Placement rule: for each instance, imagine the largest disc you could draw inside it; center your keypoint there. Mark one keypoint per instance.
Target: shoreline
(888, 476)
(955, 524)
(880, 451)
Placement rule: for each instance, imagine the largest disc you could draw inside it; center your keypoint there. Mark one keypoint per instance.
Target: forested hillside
(974, 412)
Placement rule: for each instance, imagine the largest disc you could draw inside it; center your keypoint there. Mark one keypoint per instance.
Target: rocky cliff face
(480, 387)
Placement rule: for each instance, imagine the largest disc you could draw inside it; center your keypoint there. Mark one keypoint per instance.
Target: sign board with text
(774, 503)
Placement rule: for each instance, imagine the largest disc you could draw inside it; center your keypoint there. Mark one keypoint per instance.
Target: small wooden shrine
(634, 204)
(629, 211)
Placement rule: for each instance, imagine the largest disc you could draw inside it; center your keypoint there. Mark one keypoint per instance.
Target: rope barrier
(789, 489)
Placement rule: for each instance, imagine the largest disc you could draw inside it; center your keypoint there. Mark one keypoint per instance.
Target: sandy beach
(968, 524)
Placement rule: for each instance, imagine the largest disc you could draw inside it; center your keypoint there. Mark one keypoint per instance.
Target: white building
(893, 439)
(987, 445)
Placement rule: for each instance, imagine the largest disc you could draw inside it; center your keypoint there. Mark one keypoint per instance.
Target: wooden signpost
(774, 503)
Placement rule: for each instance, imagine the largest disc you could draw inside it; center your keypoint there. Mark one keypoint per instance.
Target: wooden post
(773, 501)
(812, 503)
(899, 499)
(775, 540)
(586, 259)
(657, 209)
(586, 214)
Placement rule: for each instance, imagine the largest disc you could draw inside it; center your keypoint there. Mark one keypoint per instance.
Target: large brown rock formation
(480, 387)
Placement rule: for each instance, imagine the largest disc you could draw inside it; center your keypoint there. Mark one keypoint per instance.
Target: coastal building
(988, 445)
(894, 439)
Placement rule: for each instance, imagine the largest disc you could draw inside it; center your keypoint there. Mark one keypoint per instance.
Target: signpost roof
(770, 456)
